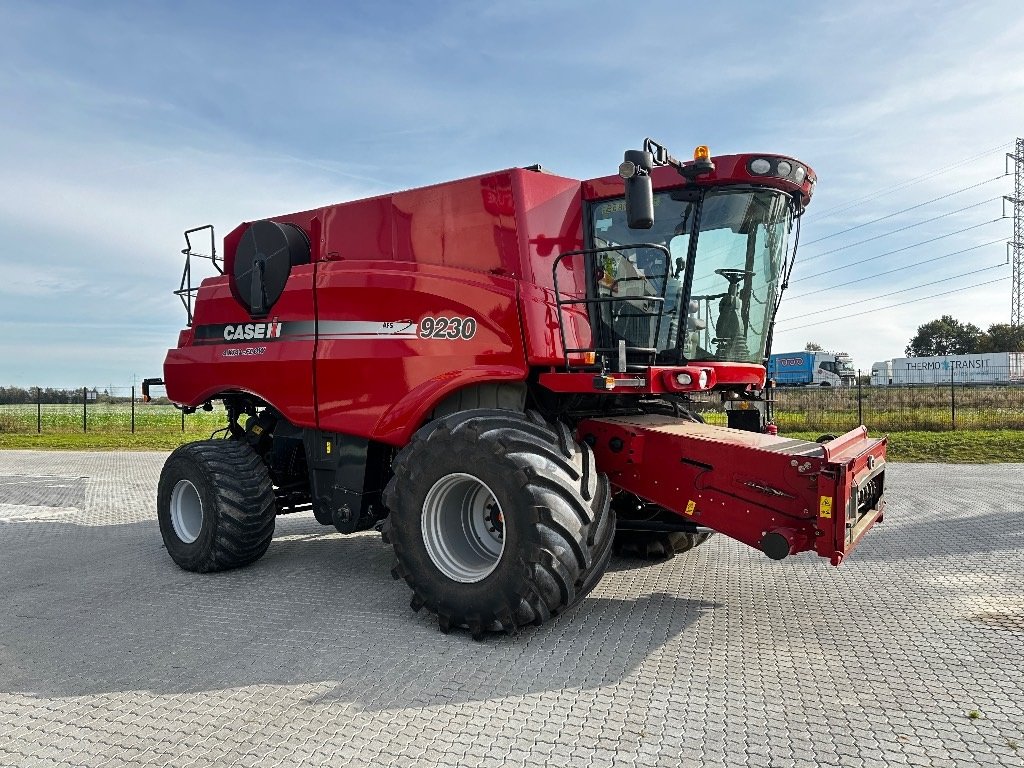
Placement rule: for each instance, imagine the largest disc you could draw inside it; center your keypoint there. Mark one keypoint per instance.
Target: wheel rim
(186, 511)
(463, 528)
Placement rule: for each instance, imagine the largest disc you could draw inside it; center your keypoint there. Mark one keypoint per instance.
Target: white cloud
(125, 128)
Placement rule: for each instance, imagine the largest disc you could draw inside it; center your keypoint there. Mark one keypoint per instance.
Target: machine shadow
(935, 535)
(98, 609)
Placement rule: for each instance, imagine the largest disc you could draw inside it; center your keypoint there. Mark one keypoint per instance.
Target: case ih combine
(497, 373)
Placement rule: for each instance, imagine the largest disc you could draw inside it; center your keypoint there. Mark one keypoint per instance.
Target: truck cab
(800, 369)
(881, 373)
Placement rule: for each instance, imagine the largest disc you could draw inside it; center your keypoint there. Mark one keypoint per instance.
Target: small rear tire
(215, 505)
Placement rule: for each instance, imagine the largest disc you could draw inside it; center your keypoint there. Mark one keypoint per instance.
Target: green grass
(961, 447)
(100, 441)
(157, 427)
(105, 417)
(890, 409)
(966, 447)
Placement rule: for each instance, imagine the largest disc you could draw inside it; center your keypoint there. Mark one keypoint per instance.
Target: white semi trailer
(985, 368)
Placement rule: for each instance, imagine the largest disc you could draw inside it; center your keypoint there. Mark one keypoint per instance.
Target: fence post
(39, 410)
(860, 401)
(952, 400)
(85, 400)
(133, 409)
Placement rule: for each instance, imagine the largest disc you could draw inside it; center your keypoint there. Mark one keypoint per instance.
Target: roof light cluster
(784, 169)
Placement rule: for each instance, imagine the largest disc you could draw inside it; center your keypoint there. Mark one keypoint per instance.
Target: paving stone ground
(110, 655)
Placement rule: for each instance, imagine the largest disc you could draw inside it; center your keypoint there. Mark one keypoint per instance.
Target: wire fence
(953, 405)
(90, 409)
(957, 403)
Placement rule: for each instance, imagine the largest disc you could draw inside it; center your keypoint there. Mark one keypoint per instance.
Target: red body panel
(480, 248)
(282, 374)
(658, 379)
(377, 385)
(729, 169)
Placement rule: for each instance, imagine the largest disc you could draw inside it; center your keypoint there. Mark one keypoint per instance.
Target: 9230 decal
(454, 328)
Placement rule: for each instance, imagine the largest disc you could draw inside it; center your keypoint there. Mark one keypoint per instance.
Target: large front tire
(498, 519)
(215, 505)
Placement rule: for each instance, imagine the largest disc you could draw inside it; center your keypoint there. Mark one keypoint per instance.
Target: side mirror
(636, 173)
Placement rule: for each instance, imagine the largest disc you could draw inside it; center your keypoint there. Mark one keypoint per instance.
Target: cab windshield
(741, 245)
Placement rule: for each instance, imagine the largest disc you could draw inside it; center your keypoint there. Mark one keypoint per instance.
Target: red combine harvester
(498, 373)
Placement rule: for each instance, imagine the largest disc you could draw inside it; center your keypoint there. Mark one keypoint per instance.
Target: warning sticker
(825, 507)
(691, 505)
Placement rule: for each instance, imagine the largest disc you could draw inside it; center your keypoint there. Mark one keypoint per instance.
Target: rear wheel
(657, 545)
(498, 519)
(215, 505)
(651, 545)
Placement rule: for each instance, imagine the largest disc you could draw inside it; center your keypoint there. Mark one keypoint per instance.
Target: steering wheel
(734, 275)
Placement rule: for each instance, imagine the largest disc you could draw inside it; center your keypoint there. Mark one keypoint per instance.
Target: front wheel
(498, 519)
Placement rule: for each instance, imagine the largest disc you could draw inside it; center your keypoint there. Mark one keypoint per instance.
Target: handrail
(593, 300)
(185, 290)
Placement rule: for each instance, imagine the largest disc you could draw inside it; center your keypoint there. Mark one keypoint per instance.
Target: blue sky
(125, 123)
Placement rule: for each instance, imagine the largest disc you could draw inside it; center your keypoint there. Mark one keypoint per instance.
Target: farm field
(105, 418)
(162, 431)
(889, 409)
(811, 409)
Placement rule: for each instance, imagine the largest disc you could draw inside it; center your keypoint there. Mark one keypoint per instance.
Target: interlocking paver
(110, 655)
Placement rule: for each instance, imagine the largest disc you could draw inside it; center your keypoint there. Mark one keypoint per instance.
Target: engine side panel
(227, 350)
(395, 338)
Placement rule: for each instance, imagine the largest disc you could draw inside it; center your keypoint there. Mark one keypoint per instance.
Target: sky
(123, 124)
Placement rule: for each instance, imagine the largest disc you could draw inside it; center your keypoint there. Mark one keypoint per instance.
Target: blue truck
(799, 369)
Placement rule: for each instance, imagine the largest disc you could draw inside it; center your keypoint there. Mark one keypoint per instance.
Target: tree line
(52, 396)
(949, 336)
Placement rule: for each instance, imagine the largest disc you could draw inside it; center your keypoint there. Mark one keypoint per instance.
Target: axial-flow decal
(430, 327)
(366, 329)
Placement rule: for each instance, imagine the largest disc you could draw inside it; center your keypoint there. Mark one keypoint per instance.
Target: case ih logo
(497, 195)
(250, 331)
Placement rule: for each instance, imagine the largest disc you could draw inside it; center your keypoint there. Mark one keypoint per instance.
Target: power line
(876, 275)
(906, 210)
(901, 229)
(893, 293)
(897, 250)
(911, 182)
(893, 306)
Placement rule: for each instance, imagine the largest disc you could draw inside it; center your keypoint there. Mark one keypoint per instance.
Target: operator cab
(691, 269)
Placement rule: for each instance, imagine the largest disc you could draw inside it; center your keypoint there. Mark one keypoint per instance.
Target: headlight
(800, 174)
(784, 168)
(684, 378)
(702, 380)
(760, 166)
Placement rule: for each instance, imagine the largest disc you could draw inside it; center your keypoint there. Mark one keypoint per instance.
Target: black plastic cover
(263, 260)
